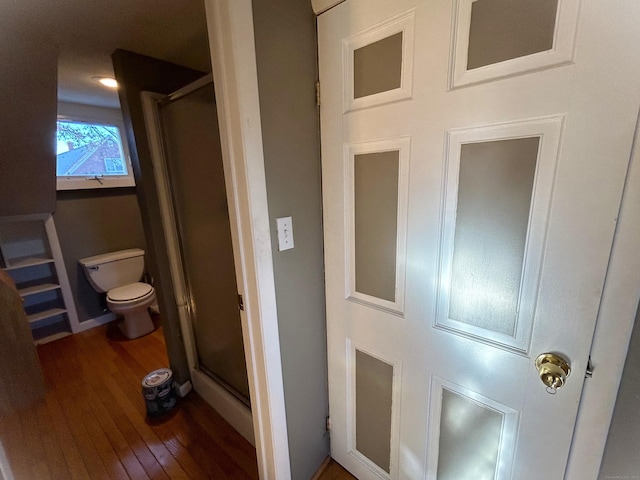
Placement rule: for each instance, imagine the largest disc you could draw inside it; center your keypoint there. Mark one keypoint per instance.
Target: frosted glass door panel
(194, 163)
(377, 67)
(494, 199)
(376, 223)
(374, 385)
(502, 30)
(469, 439)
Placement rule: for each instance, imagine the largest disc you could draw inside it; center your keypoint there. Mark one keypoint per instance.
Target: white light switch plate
(285, 233)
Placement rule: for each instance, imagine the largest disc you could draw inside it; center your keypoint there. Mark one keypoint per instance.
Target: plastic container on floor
(159, 392)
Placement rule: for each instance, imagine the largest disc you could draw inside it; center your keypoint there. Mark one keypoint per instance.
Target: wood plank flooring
(331, 470)
(93, 424)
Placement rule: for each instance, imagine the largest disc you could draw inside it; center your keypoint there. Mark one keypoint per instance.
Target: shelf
(51, 338)
(27, 262)
(52, 312)
(45, 287)
(30, 252)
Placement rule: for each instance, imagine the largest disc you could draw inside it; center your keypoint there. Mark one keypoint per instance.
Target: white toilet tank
(115, 269)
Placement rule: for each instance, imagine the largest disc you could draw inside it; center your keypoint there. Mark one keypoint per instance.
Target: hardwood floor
(93, 424)
(333, 471)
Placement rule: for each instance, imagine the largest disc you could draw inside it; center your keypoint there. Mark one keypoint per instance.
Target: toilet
(118, 275)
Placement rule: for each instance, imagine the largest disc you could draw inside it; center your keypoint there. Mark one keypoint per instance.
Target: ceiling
(87, 32)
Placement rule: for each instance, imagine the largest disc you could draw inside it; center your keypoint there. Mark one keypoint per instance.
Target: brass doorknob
(553, 370)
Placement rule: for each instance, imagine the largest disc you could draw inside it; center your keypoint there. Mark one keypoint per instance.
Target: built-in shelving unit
(30, 253)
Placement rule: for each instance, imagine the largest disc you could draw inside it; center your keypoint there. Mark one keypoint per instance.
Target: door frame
(233, 59)
(616, 317)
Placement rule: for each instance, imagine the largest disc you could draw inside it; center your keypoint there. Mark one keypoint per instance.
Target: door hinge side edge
(589, 372)
(240, 303)
(318, 94)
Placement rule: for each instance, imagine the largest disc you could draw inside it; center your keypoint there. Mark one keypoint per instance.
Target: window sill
(93, 183)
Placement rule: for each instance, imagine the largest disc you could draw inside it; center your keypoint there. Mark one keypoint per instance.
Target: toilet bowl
(132, 302)
(117, 274)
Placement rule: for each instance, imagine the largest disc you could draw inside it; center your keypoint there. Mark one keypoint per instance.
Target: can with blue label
(159, 392)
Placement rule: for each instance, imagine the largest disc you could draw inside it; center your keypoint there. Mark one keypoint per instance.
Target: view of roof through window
(89, 150)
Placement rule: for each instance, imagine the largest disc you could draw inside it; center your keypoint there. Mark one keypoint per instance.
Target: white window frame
(99, 115)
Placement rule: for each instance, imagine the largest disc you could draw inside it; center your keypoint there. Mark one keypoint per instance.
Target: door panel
(497, 199)
(372, 408)
(499, 38)
(376, 192)
(376, 223)
(492, 244)
(502, 30)
(378, 63)
(374, 397)
(377, 67)
(474, 434)
(495, 184)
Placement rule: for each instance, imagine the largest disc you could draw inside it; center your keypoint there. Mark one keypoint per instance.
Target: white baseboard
(95, 322)
(5, 469)
(232, 410)
(183, 389)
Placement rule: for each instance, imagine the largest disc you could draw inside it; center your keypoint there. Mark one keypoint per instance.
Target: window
(91, 151)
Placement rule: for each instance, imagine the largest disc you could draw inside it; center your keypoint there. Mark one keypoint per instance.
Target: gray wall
(622, 452)
(287, 73)
(136, 73)
(91, 222)
(28, 106)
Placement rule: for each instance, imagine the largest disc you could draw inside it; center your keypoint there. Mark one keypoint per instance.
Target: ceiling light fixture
(107, 81)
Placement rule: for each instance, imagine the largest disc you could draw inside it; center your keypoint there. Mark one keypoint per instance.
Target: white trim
(232, 46)
(5, 466)
(321, 6)
(95, 322)
(183, 389)
(613, 331)
(231, 409)
(61, 272)
(90, 183)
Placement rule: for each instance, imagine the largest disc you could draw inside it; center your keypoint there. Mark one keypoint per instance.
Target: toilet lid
(129, 292)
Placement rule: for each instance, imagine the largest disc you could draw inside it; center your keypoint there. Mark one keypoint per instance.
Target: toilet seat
(132, 301)
(130, 292)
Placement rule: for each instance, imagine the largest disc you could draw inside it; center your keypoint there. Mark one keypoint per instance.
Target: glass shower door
(193, 159)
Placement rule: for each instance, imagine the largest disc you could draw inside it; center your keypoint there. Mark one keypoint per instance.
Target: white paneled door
(474, 154)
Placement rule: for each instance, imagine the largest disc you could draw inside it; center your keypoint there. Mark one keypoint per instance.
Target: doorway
(185, 143)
